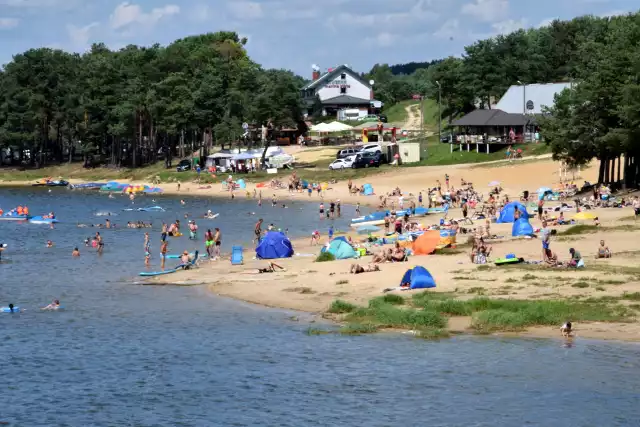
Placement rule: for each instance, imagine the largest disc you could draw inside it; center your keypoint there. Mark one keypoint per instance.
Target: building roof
(346, 100)
(493, 118)
(331, 74)
(540, 95)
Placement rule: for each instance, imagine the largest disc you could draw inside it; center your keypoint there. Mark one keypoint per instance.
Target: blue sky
(291, 34)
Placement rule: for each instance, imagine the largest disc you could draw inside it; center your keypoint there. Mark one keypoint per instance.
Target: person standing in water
(208, 243)
(258, 232)
(165, 231)
(100, 242)
(358, 209)
(76, 252)
(163, 253)
(147, 250)
(217, 238)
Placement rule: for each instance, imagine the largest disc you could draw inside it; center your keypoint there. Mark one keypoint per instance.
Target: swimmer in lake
(76, 252)
(11, 310)
(53, 306)
(49, 244)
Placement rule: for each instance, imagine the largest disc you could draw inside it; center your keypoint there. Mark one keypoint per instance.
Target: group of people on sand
(395, 254)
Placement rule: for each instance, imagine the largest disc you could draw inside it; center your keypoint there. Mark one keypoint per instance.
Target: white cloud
(487, 10)
(80, 36)
(31, 3)
(419, 12)
(383, 39)
(8, 23)
(245, 10)
(546, 22)
(126, 14)
(200, 13)
(509, 26)
(613, 13)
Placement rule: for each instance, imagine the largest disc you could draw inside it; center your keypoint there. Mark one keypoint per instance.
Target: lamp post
(439, 110)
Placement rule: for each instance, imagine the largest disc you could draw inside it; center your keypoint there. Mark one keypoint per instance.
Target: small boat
(42, 220)
(14, 217)
(87, 186)
(50, 183)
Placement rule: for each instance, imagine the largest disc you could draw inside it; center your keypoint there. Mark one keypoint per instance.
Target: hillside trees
(127, 106)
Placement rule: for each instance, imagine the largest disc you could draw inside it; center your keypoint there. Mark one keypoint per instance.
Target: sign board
(529, 105)
(338, 83)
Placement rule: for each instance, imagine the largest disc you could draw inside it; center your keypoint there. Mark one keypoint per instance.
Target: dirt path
(413, 117)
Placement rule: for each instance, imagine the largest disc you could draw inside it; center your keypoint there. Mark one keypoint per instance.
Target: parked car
(366, 160)
(342, 163)
(348, 152)
(372, 148)
(447, 137)
(368, 118)
(184, 165)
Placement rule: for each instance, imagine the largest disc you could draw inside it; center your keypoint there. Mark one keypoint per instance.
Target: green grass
(340, 307)
(397, 113)
(325, 256)
(428, 311)
(580, 285)
(358, 329)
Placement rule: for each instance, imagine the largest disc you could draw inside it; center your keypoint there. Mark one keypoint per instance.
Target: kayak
(158, 273)
(41, 220)
(147, 209)
(55, 183)
(177, 256)
(87, 186)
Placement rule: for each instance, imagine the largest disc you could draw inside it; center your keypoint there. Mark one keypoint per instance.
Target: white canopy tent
(338, 127)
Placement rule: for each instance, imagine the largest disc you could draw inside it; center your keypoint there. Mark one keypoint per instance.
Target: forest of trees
(126, 107)
(598, 118)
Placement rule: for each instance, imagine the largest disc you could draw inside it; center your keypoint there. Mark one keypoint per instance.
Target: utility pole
(439, 110)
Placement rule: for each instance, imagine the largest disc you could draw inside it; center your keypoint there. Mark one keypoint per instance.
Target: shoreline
(311, 287)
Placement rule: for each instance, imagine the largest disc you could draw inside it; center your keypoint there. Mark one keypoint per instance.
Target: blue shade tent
(274, 245)
(521, 227)
(340, 249)
(418, 278)
(241, 184)
(367, 189)
(507, 214)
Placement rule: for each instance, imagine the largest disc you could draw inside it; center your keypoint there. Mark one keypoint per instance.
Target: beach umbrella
(494, 183)
(584, 216)
(368, 229)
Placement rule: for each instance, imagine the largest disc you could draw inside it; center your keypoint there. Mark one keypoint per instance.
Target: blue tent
(340, 249)
(507, 214)
(367, 189)
(241, 184)
(522, 227)
(274, 245)
(419, 278)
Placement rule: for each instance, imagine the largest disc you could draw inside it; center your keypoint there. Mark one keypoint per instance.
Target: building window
(343, 90)
(343, 76)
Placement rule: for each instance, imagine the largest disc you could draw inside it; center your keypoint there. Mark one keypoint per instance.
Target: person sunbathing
(550, 258)
(357, 268)
(398, 254)
(603, 251)
(271, 268)
(382, 256)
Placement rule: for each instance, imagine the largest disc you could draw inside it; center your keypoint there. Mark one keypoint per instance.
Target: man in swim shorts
(258, 232)
(163, 253)
(217, 238)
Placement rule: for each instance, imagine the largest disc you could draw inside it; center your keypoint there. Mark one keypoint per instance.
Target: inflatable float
(8, 310)
(42, 220)
(14, 217)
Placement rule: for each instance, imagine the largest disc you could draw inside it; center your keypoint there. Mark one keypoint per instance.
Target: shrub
(340, 306)
(325, 256)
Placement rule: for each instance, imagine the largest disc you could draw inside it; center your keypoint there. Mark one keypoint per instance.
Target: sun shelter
(418, 278)
(521, 227)
(367, 189)
(426, 243)
(274, 245)
(508, 213)
(340, 249)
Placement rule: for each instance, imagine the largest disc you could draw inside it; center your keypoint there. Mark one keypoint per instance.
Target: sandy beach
(311, 286)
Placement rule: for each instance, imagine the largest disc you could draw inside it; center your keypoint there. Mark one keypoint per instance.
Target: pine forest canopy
(129, 105)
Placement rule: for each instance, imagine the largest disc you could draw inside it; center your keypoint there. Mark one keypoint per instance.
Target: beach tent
(426, 243)
(521, 227)
(418, 278)
(241, 184)
(340, 249)
(367, 189)
(274, 245)
(507, 214)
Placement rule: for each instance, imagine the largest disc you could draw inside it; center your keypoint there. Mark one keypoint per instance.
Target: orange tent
(426, 243)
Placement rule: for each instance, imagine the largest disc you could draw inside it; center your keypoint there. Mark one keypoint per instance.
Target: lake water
(128, 355)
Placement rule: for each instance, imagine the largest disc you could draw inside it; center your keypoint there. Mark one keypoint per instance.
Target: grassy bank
(427, 313)
(397, 113)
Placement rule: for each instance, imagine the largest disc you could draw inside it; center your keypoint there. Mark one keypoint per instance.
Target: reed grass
(340, 307)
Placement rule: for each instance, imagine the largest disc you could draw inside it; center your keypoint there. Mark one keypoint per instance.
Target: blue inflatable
(507, 214)
(367, 189)
(522, 227)
(41, 220)
(418, 278)
(274, 245)
(8, 310)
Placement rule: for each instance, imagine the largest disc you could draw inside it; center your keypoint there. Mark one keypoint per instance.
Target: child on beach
(358, 209)
(315, 238)
(566, 329)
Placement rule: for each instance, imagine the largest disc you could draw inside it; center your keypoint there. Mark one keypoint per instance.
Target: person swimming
(11, 309)
(49, 244)
(76, 252)
(55, 305)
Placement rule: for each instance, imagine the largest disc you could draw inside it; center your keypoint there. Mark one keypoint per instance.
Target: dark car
(348, 152)
(382, 118)
(366, 160)
(447, 137)
(184, 166)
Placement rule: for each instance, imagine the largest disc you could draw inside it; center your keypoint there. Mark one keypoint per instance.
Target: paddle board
(157, 273)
